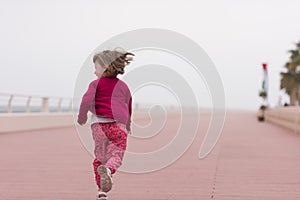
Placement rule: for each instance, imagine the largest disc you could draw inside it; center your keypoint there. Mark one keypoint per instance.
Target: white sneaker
(105, 178)
(101, 196)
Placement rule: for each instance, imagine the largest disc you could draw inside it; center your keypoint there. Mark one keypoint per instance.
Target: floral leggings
(110, 145)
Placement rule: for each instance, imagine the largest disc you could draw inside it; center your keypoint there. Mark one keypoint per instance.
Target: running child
(109, 99)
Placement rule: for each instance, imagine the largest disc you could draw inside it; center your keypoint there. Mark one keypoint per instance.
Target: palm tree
(290, 80)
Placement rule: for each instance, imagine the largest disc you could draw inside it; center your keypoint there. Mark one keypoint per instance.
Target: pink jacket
(109, 97)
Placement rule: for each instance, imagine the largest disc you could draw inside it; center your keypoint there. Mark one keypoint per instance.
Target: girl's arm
(87, 102)
(129, 117)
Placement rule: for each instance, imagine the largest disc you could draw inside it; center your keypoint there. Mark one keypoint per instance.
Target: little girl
(109, 100)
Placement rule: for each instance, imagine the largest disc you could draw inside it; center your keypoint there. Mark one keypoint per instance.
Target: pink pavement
(252, 160)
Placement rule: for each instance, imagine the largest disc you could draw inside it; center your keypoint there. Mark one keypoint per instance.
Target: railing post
(59, 104)
(9, 110)
(70, 105)
(28, 104)
(45, 104)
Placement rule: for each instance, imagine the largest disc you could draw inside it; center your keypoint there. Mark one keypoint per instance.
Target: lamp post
(264, 93)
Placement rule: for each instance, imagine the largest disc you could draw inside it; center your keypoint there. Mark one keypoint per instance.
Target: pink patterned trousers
(110, 145)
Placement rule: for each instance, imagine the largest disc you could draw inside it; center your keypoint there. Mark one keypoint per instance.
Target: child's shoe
(101, 196)
(105, 178)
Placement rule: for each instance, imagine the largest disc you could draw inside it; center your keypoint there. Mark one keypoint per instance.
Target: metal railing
(12, 103)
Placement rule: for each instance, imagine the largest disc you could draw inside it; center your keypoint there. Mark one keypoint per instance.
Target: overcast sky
(45, 43)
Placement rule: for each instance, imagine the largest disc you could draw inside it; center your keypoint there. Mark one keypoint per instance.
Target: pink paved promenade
(252, 160)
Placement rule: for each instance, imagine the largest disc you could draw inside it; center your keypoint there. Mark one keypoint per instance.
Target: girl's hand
(82, 120)
(81, 124)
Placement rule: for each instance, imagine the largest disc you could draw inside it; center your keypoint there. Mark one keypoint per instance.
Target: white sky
(44, 43)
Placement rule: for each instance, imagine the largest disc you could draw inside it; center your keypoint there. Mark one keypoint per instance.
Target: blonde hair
(114, 61)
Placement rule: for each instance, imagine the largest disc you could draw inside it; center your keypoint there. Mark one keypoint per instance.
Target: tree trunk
(293, 97)
(298, 94)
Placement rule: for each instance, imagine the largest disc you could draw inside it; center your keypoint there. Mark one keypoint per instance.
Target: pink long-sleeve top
(109, 97)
